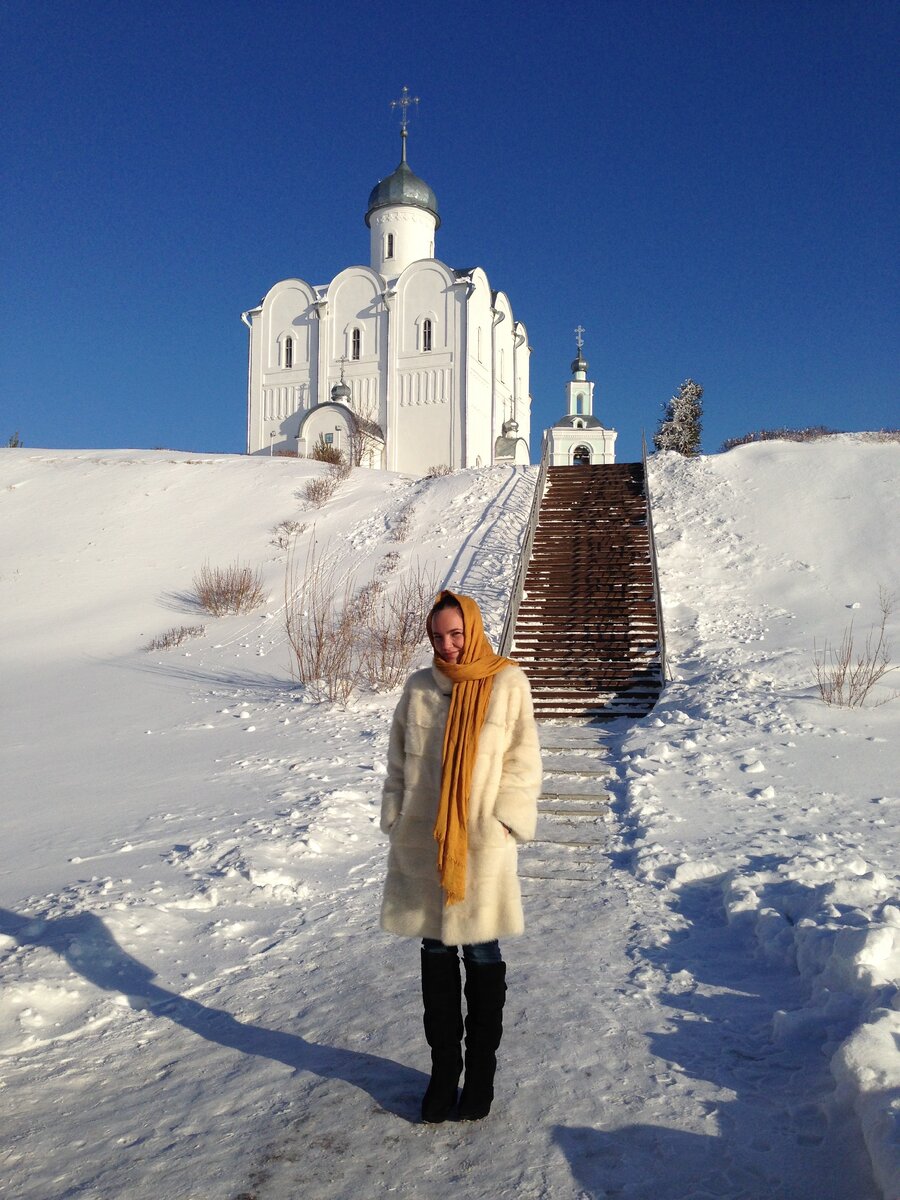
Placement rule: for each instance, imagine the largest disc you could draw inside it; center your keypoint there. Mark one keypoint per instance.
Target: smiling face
(448, 634)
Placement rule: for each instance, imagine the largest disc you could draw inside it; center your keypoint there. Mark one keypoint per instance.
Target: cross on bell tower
(580, 391)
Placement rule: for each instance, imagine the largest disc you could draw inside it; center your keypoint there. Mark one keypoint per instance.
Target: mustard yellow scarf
(473, 682)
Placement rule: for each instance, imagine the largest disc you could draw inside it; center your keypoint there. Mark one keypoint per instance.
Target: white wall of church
(599, 443)
(284, 368)
(478, 422)
(426, 378)
(399, 235)
(522, 373)
(355, 323)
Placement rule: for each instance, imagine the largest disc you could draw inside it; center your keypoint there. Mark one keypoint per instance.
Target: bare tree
(365, 434)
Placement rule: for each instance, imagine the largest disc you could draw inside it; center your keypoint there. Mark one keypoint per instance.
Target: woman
(464, 774)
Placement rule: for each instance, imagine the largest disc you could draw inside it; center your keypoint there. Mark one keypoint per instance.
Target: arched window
(356, 340)
(426, 333)
(581, 456)
(579, 402)
(288, 352)
(389, 250)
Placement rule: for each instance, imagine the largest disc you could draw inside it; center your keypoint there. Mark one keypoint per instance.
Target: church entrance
(581, 456)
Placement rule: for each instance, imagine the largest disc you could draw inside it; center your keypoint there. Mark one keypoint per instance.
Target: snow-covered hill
(195, 1000)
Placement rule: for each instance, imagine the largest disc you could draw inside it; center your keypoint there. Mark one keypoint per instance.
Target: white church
(403, 364)
(579, 439)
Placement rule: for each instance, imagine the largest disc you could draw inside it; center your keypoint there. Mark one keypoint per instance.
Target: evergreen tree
(682, 420)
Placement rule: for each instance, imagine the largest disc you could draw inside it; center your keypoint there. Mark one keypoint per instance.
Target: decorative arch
(287, 311)
(581, 456)
(355, 302)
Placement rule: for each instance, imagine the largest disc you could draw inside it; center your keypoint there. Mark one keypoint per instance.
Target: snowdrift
(194, 997)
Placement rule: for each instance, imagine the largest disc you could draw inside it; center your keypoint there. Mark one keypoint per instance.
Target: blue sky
(708, 188)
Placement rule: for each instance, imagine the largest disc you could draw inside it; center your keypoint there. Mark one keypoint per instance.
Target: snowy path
(638, 1045)
(195, 1000)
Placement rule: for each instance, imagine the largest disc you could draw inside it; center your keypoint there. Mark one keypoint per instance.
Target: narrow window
(355, 339)
(426, 334)
(288, 352)
(390, 246)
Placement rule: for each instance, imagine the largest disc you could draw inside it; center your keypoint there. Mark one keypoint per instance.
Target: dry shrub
(402, 522)
(224, 590)
(285, 531)
(323, 487)
(342, 637)
(811, 434)
(880, 435)
(846, 674)
(393, 631)
(318, 615)
(320, 489)
(326, 452)
(438, 470)
(177, 636)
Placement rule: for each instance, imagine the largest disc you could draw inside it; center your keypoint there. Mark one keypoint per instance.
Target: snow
(195, 999)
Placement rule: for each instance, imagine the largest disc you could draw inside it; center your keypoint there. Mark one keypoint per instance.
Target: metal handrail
(515, 596)
(657, 592)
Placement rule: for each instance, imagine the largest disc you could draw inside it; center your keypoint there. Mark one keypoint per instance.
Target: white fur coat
(506, 782)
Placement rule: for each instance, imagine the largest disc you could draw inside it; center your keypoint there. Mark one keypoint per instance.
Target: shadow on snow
(85, 943)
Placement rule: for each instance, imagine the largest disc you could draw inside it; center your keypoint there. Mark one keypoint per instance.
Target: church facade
(402, 364)
(579, 439)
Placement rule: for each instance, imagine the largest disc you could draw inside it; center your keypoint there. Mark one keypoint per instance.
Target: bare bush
(879, 435)
(343, 637)
(326, 452)
(176, 636)
(319, 490)
(402, 522)
(318, 616)
(390, 637)
(285, 531)
(813, 433)
(438, 470)
(390, 562)
(846, 674)
(224, 590)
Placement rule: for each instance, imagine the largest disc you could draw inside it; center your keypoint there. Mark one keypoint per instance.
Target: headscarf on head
(473, 681)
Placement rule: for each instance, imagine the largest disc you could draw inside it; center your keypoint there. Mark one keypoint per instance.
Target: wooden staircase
(587, 631)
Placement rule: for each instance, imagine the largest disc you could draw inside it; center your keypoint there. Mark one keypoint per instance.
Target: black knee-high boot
(485, 994)
(443, 1032)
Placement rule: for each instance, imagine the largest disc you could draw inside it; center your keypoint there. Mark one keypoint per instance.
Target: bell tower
(579, 391)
